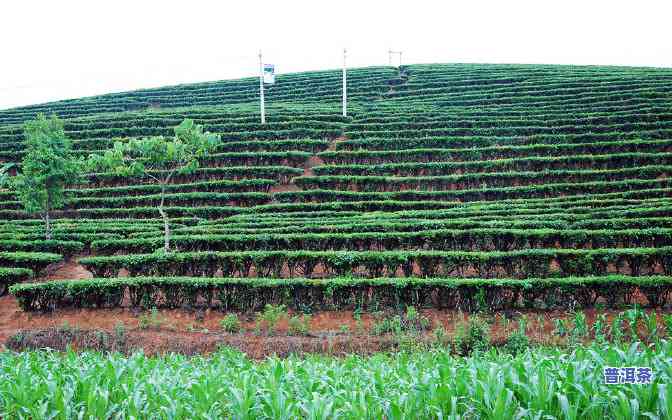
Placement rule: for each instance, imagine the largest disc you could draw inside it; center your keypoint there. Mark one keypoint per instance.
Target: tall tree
(47, 169)
(159, 159)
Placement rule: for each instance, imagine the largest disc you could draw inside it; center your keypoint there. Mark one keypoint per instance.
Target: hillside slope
(440, 171)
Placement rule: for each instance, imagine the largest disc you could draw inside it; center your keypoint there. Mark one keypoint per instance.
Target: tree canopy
(47, 169)
(159, 159)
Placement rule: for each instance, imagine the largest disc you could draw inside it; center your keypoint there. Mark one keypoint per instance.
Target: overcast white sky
(65, 49)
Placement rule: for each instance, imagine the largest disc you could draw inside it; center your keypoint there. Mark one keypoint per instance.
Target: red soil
(199, 331)
(307, 170)
(283, 188)
(68, 270)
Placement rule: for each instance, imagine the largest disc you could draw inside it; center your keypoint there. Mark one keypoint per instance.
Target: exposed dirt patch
(283, 188)
(311, 162)
(190, 332)
(68, 270)
(332, 145)
(159, 342)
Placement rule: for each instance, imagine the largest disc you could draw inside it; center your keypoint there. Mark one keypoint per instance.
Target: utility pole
(261, 89)
(389, 56)
(345, 86)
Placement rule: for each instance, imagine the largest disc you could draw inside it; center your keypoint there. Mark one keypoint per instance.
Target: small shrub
(475, 337)
(411, 322)
(440, 336)
(667, 320)
(120, 334)
(387, 325)
(651, 324)
(633, 316)
(517, 343)
(299, 325)
(270, 317)
(153, 320)
(230, 323)
(359, 324)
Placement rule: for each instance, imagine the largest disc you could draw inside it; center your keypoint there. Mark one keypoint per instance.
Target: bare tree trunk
(166, 226)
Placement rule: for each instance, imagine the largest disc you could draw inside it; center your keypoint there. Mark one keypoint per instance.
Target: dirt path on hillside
(308, 166)
(70, 270)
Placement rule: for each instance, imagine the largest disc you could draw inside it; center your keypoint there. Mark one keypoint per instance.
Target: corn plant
(599, 327)
(540, 383)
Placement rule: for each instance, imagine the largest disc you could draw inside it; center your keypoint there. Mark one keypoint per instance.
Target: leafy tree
(47, 169)
(159, 159)
(4, 174)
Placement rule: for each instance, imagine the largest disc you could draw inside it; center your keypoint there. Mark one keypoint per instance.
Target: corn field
(539, 384)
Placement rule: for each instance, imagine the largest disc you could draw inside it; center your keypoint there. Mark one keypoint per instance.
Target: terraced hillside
(448, 186)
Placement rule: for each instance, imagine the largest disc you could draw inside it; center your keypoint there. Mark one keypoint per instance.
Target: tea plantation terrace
(448, 186)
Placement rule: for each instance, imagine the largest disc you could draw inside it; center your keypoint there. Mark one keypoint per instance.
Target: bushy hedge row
(493, 152)
(187, 199)
(65, 248)
(475, 194)
(518, 264)
(534, 163)
(35, 261)
(354, 225)
(401, 122)
(343, 293)
(472, 209)
(256, 158)
(384, 141)
(243, 185)
(459, 128)
(91, 226)
(392, 224)
(60, 236)
(166, 130)
(557, 97)
(440, 239)
(280, 173)
(485, 115)
(10, 276)
(476, 180)
(306, 145)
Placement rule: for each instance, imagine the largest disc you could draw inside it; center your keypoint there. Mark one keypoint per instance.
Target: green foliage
(579, 329)
(410, 322)
(667, 320)
(249, 294)
(35, 261)
(230, 323)
(516, 343)
(4, 174)
(484, 239)
(159, 159)
(47, 169)
(10, 276)
(549, 382)
(299, 325)
(153, 320)
(268, 319)
(474, 337)
(600, 328)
